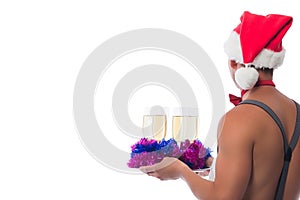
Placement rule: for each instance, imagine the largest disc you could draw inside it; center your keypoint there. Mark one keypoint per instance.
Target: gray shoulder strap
(296, 134)
(274, 117)
(288, 148)
(287, 157)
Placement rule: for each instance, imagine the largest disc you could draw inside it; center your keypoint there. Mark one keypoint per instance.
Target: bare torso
(268, 144)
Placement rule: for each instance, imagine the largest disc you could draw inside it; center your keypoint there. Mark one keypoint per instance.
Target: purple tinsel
(195, 154)
(147, 152)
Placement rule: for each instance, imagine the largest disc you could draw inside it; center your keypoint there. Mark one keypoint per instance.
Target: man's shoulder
(244, 114)
(242, 120)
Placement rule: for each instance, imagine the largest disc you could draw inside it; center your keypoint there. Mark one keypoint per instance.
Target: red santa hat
(257, 41)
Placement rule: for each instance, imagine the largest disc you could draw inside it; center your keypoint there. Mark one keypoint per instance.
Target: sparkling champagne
(185, 127)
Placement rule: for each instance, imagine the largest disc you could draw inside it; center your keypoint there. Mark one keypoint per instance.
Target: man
(252, 155)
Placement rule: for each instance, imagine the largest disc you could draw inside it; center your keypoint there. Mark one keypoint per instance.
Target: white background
(42, 47)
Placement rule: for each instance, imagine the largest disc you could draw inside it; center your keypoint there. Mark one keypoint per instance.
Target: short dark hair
(266, 70)
(263, 69)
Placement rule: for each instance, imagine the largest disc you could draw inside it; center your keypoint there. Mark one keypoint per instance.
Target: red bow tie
(236, 100)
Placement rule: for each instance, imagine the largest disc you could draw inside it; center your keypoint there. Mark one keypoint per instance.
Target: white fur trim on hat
(265, 59)
(269, 59)
(246, 77)
(233, 48)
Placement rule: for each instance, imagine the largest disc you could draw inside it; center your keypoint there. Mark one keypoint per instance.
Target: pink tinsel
(148, 152)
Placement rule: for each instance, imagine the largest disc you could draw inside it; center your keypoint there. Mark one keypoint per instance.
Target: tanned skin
(250, 156)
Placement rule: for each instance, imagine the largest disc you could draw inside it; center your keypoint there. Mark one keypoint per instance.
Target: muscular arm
(233, 164)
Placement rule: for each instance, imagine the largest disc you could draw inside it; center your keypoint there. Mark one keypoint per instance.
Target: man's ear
(233, 64)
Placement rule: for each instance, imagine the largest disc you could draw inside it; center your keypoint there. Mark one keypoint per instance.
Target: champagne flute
(185, 124)
(155, 124)
(185, 127)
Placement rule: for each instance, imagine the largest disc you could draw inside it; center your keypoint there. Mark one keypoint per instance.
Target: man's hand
(168, 169)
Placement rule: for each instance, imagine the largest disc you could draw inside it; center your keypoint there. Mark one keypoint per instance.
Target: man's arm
(234, 160)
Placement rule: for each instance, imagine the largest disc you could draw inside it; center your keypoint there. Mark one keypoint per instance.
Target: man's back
(267, 149)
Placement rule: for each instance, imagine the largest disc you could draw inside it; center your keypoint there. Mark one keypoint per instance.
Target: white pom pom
(246, 77)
